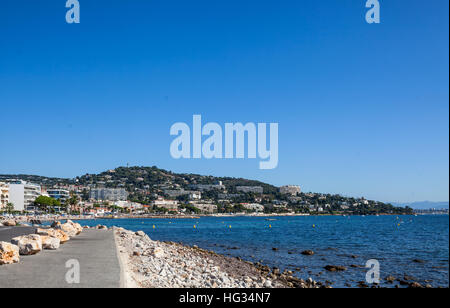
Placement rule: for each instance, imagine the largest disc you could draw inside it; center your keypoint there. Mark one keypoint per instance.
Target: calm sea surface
(394, 241)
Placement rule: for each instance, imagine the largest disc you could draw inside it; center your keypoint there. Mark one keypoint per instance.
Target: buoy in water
(154, 227)
(270, 226)
(195, 227)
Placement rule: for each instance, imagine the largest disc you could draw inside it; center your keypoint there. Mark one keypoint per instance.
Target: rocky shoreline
(155, 264)
(31, 244)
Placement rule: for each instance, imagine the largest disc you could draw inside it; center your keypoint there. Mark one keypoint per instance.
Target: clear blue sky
(363, 109)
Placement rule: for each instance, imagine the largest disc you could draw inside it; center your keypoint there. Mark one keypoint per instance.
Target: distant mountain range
(424, 205)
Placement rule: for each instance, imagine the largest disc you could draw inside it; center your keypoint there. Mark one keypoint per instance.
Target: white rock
(28, 244)
(267, 284)
(68, 228)
(9, 253)
(51, 243)
(10, 223)
(158, 252)
(140, 233)
(57, 233)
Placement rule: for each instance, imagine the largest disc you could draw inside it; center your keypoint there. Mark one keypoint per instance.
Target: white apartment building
(207, 187)
(166, 204)
(23, 194)
(4, 195)
(109, 194)
(290, 190)
(59, 194)
(195, 195)
(250, 189)
(254, 207)
(205, 206)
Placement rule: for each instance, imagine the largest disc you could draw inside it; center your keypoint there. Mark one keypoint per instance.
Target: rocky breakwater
(53, 233)
(9, 253)
(32, 244)
(154, 264)
(70, 228)
(28, 244)
(8, 223)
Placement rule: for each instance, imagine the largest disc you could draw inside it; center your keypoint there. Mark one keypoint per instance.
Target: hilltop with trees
(145, 184)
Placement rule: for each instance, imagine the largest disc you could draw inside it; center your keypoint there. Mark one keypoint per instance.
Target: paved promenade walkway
(95, 250)
(7, 233)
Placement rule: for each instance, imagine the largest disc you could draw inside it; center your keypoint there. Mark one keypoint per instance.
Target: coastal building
(205, 207)
(279, 204)
(4, 195)
(195, 195)
(22, 195)
(128, 205)
(59, 194)
(109, 194)
(181, 192)
(364, 201)
(171, 205)
(99, 211)
(292, 190)
(229, 196)
(250, 189)
(208, 187)
(294, 199)
(254, 207)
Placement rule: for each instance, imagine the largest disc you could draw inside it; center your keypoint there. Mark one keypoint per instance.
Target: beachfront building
(4, 195)
(254, 207)
(59, 194)
(109, 194)
(250, 189)
(130, 206)
(171, 205)
(205, 207)
(292, 190)
(22, 195)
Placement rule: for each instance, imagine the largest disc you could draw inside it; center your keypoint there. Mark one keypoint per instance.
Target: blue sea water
(394, 241)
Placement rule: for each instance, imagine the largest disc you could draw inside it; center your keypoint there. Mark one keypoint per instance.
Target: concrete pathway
(94, 250)
(7, 233)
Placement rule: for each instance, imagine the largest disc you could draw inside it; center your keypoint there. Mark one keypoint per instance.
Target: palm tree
(9, 208)
(72, 202)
